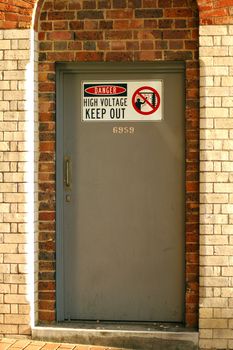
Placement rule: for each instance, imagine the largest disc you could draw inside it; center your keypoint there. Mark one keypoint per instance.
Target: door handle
(67, 172)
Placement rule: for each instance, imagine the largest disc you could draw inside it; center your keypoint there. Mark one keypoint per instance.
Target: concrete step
(136, 338)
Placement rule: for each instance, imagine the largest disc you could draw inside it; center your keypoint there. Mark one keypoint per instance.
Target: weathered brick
(15, 299)
(90, 14)
(61, 15)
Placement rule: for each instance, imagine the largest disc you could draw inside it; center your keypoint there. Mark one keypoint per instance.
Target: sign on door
(122, 101)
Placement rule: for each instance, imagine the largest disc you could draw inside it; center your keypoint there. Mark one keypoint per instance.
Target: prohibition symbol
(146, 100)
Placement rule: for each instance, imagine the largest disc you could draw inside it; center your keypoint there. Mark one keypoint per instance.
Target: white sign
(122, 101)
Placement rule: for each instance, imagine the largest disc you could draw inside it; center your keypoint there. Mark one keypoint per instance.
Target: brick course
(19, 13)
(114, 31)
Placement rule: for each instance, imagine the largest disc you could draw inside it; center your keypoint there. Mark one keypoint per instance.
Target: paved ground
(27, 344)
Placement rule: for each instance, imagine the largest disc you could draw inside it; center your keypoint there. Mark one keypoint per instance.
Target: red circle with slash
(139, 93)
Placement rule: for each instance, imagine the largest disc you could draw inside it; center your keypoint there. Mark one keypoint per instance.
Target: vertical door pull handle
(67, 178)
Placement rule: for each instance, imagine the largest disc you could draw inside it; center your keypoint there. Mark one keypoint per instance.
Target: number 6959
(123, 130)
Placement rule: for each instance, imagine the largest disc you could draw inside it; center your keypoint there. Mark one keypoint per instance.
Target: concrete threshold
(136, 337)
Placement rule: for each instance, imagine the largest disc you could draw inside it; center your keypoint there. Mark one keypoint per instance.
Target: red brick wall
(116, 30)
(215, 11)
(18, 13)
(162, 29)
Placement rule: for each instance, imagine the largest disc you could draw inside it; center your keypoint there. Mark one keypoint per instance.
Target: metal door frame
(87, 67)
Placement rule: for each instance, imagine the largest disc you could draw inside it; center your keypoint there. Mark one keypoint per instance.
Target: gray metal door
(121, 212)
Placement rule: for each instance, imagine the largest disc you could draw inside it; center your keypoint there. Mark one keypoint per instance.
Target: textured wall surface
(215, 11)
(117, 30)
(18, 225)
(19, 147)
(19, 13)
(216, 187)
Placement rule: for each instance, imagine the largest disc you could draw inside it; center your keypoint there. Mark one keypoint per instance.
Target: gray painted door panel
(123, 228)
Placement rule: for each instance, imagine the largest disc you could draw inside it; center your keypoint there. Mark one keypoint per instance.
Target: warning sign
(146, 100)
(122, 101)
